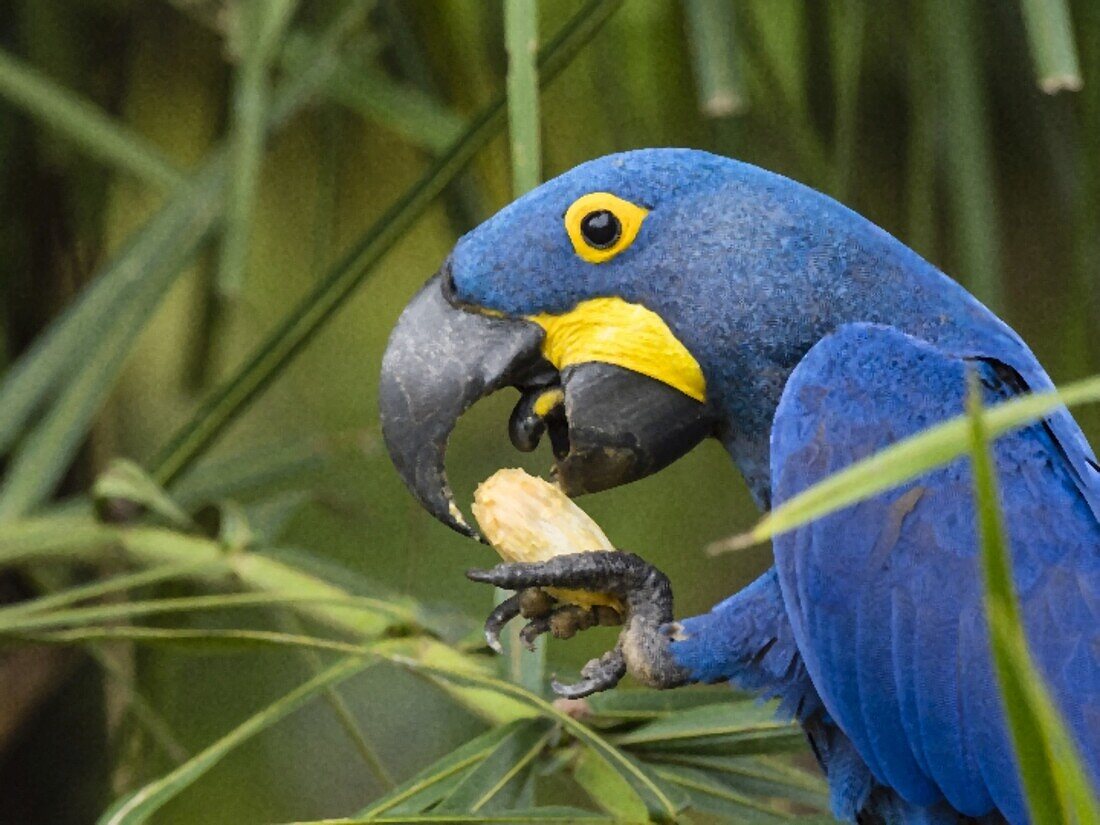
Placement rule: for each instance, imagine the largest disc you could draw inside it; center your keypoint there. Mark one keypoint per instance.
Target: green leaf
(734, 725)
(124, 480)
(132, 275)
(608, 789)
(1054, 778)
(434, 782)
(758, 776)
(22, 623)
(905, 460)
(496, 781)
(409, 112)
(120, 300)
(194, 641)
(98, 589)
(1050, 32)
(555, 815)
(139, 806)
(658, 802)
(84, 124)
(624, 705)
(711, 793)
(333, 290)
(256, 30)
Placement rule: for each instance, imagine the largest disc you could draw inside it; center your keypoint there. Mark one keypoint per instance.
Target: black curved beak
(607, 425)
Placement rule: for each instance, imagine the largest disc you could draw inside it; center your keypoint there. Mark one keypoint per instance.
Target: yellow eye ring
(602, 225)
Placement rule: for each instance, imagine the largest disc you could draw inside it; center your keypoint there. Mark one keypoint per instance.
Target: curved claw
(599, 674)
(498, 618)
(533, 629)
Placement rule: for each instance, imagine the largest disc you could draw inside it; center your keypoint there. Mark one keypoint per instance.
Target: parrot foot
(643, 649)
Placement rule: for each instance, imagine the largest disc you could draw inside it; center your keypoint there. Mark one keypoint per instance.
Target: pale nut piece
(528, 519)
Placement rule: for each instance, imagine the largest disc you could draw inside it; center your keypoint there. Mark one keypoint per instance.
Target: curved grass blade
(310, 316)
(757, 776)
(494, 784)
(554, 815)
(434, 782)
(709, 793)
(124, 480)
(38, 621)
(85, 124)
(144, 803)
(656, 798)
(716, 727)
(1054, 778)
(193, 640)
(98, 589)
(905, 460)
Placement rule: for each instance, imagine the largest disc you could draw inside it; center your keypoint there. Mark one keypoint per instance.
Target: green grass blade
(77, 332)
(408, 111)
(95, 590)
(1050, 32)
(657, 800)
(744, 717)
(125, 481)
(607, 788)
(37, 621)
(485, 787)
(144, 803)
(757, 776)
(430, 785)
(521, 40)
(41, 459)
(190, 640)
(552, 815)
(714, 56)
(1055, 781)
(74, 335)
(905, 460)
(255, 32)
(710, 793)
(310, 316)
(85, 125)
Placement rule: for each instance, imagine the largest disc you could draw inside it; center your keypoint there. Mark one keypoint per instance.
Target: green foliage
(219, 608)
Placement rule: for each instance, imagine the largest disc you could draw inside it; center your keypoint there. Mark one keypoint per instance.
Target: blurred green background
(934, 118)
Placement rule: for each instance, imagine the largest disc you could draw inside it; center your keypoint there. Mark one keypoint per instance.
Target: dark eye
(601, 229)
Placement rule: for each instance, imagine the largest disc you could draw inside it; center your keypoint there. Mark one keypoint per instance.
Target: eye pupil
(601, 229)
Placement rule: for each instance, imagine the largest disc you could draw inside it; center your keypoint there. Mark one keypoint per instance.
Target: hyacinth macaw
(647, 300)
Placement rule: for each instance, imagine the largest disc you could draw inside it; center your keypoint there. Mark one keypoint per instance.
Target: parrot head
(541, 298)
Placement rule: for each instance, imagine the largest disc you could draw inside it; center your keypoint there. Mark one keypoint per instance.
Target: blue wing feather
(884, 598)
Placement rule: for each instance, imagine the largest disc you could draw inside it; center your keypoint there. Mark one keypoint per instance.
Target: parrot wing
(885, 597)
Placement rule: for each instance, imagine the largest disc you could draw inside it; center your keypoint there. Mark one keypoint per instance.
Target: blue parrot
(647, 300)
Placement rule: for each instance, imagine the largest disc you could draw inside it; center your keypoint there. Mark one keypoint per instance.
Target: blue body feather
(822, 339)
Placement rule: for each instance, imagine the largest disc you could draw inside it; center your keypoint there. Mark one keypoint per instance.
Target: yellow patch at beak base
(616, 332)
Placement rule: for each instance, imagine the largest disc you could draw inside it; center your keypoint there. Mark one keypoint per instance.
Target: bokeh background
(948, 122)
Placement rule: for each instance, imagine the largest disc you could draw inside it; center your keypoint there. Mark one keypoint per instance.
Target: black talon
(533, 629)
(498, 618)
(599, 674)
